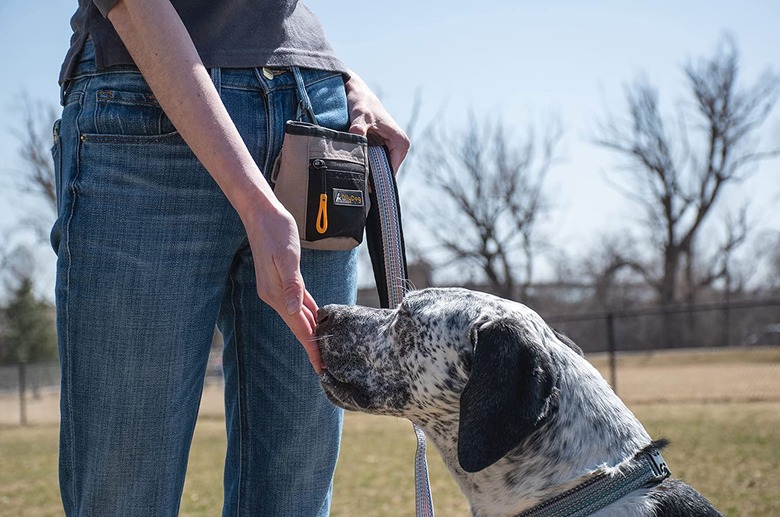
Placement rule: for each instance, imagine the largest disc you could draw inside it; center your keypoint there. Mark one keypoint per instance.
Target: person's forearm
(163, 50)
(164, 53)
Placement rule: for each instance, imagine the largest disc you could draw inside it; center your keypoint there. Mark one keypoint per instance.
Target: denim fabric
(150, 256)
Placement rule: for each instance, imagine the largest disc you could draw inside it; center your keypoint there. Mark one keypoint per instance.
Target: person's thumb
(359, 126)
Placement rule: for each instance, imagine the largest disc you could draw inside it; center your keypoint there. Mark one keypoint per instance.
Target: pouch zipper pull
(322, 215)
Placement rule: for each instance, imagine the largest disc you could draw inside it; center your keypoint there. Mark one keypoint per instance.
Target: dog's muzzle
(340, 392)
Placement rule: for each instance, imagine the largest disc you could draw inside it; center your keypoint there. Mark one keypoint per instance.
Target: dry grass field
(696, 376)
(720, 409)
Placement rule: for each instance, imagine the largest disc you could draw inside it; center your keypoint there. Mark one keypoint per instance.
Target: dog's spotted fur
(516, 412)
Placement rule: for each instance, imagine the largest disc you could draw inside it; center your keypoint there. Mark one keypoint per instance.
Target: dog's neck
(591, 429)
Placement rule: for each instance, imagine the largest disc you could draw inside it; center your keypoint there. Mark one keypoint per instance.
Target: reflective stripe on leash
(384, 237)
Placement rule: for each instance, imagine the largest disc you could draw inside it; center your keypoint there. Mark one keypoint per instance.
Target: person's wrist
(253, 199)
(258, 208)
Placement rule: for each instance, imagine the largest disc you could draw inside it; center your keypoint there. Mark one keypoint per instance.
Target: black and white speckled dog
(520, 418)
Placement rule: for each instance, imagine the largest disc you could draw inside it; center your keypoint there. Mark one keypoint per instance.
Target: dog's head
(442, 355)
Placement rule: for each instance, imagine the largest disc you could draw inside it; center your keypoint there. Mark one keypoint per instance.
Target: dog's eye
(466, 359)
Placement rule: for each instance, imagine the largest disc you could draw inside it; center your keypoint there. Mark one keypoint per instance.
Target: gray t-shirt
(226, 33)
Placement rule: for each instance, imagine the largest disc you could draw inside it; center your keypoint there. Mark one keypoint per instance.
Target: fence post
(23, 394)
(611, 349)
(727, 314)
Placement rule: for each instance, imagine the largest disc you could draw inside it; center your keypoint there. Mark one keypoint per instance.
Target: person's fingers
(300, 325)
(396, 157)
(292, 282)
(301, 312)
(392, 137)
(359, 126)
(310, 308)
(395, 140)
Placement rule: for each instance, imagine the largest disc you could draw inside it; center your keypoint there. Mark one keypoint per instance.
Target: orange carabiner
(322, 215)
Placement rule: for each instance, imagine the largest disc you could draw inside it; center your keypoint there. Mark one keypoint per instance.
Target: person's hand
(369, 117)
(276, 251)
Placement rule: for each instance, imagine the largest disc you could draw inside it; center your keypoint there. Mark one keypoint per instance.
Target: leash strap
(385, 240)
(304, 103)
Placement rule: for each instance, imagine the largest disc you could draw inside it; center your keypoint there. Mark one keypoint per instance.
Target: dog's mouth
(344, 394)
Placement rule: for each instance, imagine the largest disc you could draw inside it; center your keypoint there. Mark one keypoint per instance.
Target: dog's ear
(507, 396)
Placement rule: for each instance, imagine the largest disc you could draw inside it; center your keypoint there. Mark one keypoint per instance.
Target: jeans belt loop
(64, 88)
(216, 78)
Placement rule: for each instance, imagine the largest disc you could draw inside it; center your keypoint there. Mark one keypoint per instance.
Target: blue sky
(519, 61)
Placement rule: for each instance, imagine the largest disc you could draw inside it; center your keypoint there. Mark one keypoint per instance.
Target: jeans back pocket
(128, 113)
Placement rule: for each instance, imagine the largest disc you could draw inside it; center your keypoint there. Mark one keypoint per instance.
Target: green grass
(28, 472)
(729, 452)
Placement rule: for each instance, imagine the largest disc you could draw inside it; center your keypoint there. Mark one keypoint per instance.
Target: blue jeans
(150, 255)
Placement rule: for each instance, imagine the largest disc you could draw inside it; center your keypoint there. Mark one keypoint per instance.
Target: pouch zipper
(338, 165)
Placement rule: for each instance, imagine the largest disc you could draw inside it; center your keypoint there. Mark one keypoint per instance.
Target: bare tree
(34, 178)
(35, 181)
(489, 198)
(612, 269)
(35, 139)
(722, 265)
(27, 332)
(678, 176)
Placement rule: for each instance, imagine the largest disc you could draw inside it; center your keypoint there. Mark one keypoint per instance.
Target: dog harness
(646, 469)
(385, 241)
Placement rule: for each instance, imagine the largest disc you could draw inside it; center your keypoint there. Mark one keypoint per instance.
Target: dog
(522, 421)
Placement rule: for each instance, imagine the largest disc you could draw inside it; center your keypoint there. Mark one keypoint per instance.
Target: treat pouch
(321, 178)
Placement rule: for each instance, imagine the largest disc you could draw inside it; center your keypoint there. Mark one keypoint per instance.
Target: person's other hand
(276, 251)
(369, 117)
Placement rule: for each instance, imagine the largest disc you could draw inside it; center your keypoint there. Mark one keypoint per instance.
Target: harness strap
(385, 240)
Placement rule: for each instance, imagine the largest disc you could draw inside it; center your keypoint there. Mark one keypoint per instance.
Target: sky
(520, 62)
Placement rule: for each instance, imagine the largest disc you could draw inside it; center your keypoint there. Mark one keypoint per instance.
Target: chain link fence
(717, 352)
(30, 393)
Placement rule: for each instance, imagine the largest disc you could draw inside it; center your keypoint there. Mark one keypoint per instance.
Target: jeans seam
(117, 69)
(237, 338)
(270, 137)
(67, 230)
(171, 138)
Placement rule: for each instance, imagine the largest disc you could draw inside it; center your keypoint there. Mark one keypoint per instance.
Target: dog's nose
(322, 315)
(323, 319)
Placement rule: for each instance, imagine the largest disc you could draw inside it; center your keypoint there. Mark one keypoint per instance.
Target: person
(173, 113)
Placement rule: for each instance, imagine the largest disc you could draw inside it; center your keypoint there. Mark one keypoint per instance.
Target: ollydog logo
(345, 197)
